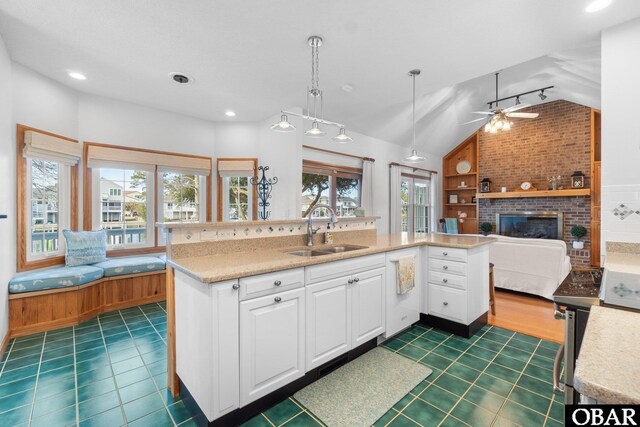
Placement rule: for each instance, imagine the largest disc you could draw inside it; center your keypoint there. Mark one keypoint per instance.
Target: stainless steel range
(572, 301)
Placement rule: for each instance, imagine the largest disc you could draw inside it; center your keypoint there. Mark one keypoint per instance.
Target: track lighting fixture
(542, 95)
(518, 100)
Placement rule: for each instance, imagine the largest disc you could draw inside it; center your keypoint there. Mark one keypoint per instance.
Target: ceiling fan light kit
(499, 119)
(315, 100)
(414, 157)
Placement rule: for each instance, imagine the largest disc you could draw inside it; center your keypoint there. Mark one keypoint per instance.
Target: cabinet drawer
(331, 270)
(448, 303)
(453, 254)
(448, 280)
(266, 284)
(447, 266)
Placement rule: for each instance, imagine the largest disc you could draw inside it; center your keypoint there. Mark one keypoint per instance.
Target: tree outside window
(324, 185)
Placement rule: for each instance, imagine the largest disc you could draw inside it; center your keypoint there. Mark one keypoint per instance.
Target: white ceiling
(251, 56)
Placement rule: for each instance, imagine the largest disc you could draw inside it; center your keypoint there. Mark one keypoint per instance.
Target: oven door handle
(558, 387)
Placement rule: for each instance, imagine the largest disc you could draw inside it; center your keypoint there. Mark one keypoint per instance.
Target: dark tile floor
(111, 371)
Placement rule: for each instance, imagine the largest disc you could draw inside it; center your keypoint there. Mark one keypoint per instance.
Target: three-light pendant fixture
(315, 100)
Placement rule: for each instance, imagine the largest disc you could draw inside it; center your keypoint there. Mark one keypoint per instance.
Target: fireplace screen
(534, 225)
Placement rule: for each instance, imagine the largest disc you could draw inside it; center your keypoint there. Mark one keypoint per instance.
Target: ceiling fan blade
(523, 115)
(516, 107)
(473, 121)
(488, 113)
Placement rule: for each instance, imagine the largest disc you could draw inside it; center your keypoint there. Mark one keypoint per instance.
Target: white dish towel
(406, 275)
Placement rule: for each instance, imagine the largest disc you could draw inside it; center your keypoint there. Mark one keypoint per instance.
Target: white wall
(620, 132)
(8, 193)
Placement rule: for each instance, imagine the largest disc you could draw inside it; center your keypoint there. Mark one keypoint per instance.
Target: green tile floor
(496, 378)
(111, 371)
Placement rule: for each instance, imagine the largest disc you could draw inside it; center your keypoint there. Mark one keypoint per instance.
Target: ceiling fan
(500, 118)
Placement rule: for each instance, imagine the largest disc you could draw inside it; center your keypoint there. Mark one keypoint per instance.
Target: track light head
(542, 95)
(518, 100)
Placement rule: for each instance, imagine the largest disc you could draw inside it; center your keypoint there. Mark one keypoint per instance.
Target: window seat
(63, 296)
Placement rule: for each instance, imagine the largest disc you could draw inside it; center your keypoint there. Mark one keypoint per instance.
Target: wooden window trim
(21, 198)
(334, 171)
(254, 195)
(87, 199)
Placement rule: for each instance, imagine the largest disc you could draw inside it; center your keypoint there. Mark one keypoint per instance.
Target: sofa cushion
(85, 247)
(52, 278)
(130, 265)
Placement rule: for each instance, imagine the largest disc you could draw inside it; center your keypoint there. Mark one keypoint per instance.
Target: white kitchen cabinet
(328, 321)
(402, 310)
(207, 337)
(343, 313)
(272, 343)
(458, 288)
(367, 306)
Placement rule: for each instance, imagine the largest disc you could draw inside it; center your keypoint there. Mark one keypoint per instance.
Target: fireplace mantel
(541, 193)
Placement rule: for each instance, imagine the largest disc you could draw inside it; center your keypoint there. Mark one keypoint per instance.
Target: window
(125, 201)
(338, 187)
(237, 198)
(46, 195)
(415, 196)
(131, 189)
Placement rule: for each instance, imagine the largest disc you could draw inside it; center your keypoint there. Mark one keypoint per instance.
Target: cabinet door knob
(445, 280)
(277, 299)
(445, 253)
(350, 281)
(235, 286)
(445, 303)
(277, 283)
(445, 267)
(356, 279)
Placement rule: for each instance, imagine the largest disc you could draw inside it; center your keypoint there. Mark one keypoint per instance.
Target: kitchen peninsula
(255, 313)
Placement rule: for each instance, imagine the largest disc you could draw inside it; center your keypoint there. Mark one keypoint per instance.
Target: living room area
(535, 187)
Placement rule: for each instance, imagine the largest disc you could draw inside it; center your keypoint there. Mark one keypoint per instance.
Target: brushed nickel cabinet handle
(445, 253)
(277, 283)
(356, 279)
(445, 280)
(350, 281)
(445, 267)
(236, 286)
(445, 303)
(277, 299)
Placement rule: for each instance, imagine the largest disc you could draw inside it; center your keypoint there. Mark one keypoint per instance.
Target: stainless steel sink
(319, 251)
(307, 252)
(340, 248)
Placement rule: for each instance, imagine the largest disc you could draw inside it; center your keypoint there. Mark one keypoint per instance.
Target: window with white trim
(123, 204)
(48, 198)
(416, 206)
(236, 195)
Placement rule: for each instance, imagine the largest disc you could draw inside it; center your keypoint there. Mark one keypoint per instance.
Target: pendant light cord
(414, 111)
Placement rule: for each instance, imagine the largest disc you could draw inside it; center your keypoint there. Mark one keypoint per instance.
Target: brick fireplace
(556, 143)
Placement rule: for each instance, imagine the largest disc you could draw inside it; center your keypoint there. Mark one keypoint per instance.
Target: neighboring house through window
(237, 199)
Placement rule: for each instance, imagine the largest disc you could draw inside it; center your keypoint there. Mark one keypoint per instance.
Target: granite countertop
(219, 267)
(606, 368)
(222, 224)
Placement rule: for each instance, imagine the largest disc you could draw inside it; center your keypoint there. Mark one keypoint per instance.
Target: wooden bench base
(39, 311)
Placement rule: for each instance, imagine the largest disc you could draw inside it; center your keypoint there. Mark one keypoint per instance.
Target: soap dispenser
(328, 234)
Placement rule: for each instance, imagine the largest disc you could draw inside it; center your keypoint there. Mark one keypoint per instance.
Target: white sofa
(534, 266)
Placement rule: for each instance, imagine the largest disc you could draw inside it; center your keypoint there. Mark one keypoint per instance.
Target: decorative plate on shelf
(463, 166)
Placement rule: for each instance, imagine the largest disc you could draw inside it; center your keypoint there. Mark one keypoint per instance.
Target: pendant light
(283, 125)
(414, 157)
(315, 99)
(342, 137)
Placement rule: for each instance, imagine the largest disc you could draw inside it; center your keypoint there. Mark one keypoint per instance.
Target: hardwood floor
(528, 315)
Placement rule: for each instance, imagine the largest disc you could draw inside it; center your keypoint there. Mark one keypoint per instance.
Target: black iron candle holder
(264, 187)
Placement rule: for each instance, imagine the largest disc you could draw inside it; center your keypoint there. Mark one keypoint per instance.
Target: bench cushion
(130, 265)
(52, 278)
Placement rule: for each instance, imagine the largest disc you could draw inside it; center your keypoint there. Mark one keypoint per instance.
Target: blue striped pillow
(85, 247)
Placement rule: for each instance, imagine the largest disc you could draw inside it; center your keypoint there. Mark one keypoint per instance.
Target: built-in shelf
(460, 188)
(461, 174)
(542, 193)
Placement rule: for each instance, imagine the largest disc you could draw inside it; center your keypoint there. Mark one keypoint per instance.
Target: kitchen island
(253, 318)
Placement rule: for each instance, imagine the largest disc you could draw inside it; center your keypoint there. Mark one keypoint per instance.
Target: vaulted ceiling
(251, 56)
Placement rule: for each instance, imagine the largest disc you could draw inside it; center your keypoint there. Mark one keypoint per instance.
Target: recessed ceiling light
(597, 5)
(181, 78)
(347, 87)
(230, 113)
(76, 75)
